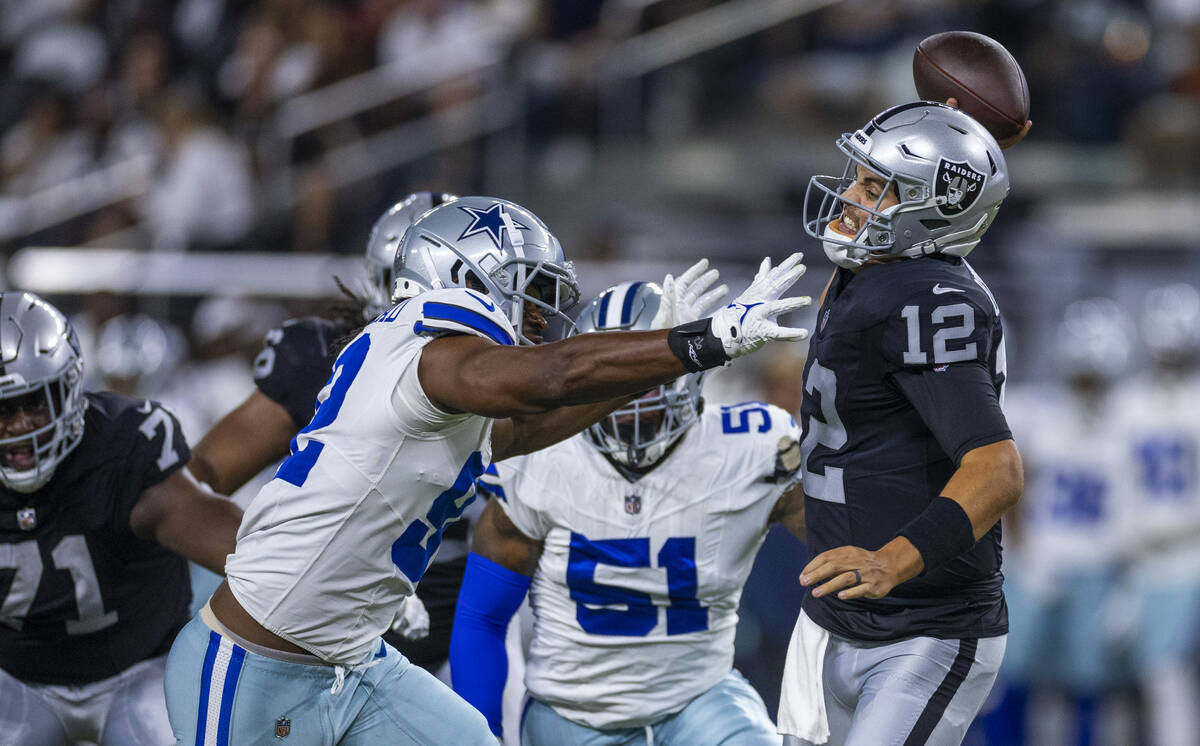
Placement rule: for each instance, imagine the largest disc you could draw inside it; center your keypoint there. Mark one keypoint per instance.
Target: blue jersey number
(1078, 497)
(415, 547)
(1168, 467)
(593, 601)
(743, 413)
(297, 466)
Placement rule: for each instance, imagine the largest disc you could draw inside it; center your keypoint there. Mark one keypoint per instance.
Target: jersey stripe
(432, 311)
(228, 690)
(214, 642)
(936, 707)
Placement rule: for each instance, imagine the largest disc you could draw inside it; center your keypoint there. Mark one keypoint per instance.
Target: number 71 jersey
(636, 593)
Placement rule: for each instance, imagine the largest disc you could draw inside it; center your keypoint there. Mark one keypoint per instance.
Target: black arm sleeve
(958, 403)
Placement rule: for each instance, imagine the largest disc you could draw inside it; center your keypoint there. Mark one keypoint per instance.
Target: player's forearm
(205, 534)
(988, 482)
(534, 432)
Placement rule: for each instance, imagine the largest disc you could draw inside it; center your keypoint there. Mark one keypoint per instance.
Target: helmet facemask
(46, 446)
(641, 433)
(875, 238)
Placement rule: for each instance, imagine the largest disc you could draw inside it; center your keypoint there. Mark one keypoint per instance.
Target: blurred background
(181, 176)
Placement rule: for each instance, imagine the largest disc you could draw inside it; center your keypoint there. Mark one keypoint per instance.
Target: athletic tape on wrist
(940, 533)
(696, 346)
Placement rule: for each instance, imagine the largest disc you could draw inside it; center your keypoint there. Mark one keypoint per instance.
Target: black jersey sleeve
(958, 403)
(152, 447)
(937, 327)
(295, 362)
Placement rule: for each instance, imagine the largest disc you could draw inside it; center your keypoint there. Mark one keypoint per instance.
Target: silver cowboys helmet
(41, 370)
(385, 239)
(946, 170)
(1094, 339)
(495, 246)
(1171, 324)
(639, 434)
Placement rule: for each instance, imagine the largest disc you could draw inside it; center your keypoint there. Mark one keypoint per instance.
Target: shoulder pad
(461, 311)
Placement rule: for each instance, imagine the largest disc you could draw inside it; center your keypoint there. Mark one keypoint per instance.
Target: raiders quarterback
(419, 404)
(97, 521)
(290, 371)
(908, 460)
(639, 534)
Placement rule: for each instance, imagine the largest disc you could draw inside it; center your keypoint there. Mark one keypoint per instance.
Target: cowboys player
(97, 516)
(1072, 526)
(289, 373)
(908, 461)
(419, 403)
(636, 537)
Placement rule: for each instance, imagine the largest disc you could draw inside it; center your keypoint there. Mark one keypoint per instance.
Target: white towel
(802, 699)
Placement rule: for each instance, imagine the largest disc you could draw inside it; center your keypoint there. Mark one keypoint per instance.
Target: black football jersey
(905, 374)
(81, 597)
(292, 368)
(295, 362)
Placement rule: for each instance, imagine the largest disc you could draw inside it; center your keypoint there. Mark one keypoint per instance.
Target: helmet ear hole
(934, 224)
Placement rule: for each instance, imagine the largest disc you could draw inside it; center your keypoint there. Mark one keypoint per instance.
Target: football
(979, 72)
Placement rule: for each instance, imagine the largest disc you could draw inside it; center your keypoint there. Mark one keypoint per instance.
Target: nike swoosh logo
(939, 290)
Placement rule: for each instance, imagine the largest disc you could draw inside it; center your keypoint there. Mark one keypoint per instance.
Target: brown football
(979, 72)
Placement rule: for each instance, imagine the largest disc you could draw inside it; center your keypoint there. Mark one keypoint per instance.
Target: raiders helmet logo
(956, 187)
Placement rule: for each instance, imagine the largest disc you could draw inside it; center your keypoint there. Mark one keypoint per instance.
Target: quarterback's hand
(689, 298)
(412, 620)
(852, 572)
(749, 321)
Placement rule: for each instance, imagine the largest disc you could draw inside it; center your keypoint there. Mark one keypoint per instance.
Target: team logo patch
(633, 504)
(824, 319)
(956, 186)
(283, 727)
(491, 222)
(27, 519)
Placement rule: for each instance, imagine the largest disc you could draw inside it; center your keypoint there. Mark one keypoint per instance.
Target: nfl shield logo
(27, 519)
(283, 727)
(633, 504)
(824, 319)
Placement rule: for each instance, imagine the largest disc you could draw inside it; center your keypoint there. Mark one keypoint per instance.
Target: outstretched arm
(523, 434)
(242, 443)
(187, 519)
(470, 374)
(496, 580)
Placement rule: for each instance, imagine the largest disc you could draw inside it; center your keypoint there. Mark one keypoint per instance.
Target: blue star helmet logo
(489, 221)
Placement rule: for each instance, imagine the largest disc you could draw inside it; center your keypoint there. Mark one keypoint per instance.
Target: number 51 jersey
(904, 376)
(636, 593)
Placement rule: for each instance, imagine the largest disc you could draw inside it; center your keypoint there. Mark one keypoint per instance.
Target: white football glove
(412, 620)
(749, 321)
(688, 298)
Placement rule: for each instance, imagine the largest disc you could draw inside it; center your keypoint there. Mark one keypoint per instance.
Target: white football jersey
(1160, 425)
(1076, 512)
(636, 594)
(330, 546)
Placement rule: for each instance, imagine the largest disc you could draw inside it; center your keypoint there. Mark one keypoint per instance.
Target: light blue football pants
(221, 694)
(729, 713)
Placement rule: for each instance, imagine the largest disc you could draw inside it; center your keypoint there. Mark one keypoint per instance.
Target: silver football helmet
(385, 237)
(138, 353)
(42, 368)
(1171, 324)
(1094, 339)
(639, 434)
(946, 170)
(494, 246)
